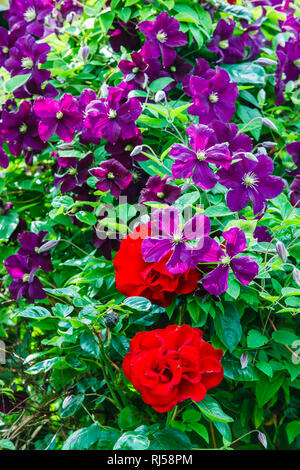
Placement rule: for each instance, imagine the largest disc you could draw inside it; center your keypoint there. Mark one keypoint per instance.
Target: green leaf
(89, 343)
(255, 339)
(220, 210)
(70, 405)
(43, 366)
(232, 370)
(265, 368)
(284, 337)
(132, 441)
(251, 118)
(15, 82)
(86, 217)
(292, 430)
(170, 439)
(138, 303)
(128, 418)
(247, 72)
(160, 84)
(83, 439)
(8, 224)
(6, 444)
(201, 430)
(212, 410)
(228, 326)
(266, 388)
(34, 312)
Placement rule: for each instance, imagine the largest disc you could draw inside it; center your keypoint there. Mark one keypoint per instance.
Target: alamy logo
(2, 353)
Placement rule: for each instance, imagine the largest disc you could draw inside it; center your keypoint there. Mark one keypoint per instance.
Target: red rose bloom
(171, 365)
(135, 277)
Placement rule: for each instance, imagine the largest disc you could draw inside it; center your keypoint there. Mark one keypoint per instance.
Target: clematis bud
(111, 319)
(84, 52)
(262, 439)
(281, 251)
(265, 61)
(138, 149)
(159, 96)
(244, 360)
(296, 276)
(47, 246)
(268, 144)
(104, 90)
(250, 156)
(267, 122)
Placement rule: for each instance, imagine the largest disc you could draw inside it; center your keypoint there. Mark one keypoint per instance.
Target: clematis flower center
(201, 155)
(297, 63)
(59, 115)
(250, 180)
(27, 63)
(110, 176)
(252, 34)
(30, 14)
(112, 114)
(225, 260)
(224, 44)
(72, 171)
(5, 50)
(213, 97)
(128, 148)
(161, 36)
(177, 238)
(173, 68)
(26, 278)
(135, 70)
(161, 195)
(23, 128)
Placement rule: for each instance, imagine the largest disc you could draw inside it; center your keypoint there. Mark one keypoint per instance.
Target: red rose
(135, 277)
(170, 365)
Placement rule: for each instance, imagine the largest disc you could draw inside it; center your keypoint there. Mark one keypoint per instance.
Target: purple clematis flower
(62, 117)
(158, 189)
(229, 132)
(247, 180)
(253, 39)
(244, 268)
(33, 87)
(167, 235)
(178, 69)
(262, 234)
(213, 98)
(76, 172)
(228, 48)
(4, 159)
(294, 150)
(101, 241)
(20, 129)
(28, 16)
(30, 245)
(194, 163)
(162, 35)
(288, 67)
(295, 194)
(124, 34)
(121, 150)
(112, 118)
(26, 55)
(70, 6)
(112, 176)
(24, 283)
(135, 69)
(7, 40)
(87, 135)
(137, 184)
(202, 69)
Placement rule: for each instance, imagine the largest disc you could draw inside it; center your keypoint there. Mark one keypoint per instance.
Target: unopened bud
(47, 246)
(244, 360)
(296, 276)
(159, 96)
(281, 251)
(250, 156)
(262, 439)
(129, 77)
(268, 144)
(111, 320)
(138, 149)
(84, 52)
(104, 90)
(267, 122)
(265, 61)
